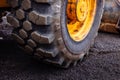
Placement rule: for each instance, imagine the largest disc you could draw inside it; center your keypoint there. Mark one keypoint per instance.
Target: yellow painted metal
(3, 3)
(80, 16)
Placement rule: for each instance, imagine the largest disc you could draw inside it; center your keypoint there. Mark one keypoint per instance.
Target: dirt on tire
(40, 29)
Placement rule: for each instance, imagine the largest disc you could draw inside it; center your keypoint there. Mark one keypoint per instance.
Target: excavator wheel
(58, 32)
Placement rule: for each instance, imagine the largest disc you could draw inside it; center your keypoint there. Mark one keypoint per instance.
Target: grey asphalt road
(103, 63)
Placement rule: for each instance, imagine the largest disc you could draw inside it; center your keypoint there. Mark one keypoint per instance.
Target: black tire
(39, 28)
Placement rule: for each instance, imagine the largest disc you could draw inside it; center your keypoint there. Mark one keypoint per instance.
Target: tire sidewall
(82, 46)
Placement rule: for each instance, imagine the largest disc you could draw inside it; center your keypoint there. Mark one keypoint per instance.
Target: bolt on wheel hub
(82, 11)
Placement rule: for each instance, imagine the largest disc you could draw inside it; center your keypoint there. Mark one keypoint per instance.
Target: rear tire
(39, 28)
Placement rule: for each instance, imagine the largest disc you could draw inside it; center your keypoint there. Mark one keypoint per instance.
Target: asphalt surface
(103, 63)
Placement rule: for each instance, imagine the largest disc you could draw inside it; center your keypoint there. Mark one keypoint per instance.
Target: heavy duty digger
(60, 32)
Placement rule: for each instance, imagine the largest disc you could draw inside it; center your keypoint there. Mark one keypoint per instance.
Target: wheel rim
(80, 17)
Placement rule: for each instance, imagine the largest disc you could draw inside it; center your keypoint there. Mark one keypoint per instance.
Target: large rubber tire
(40, 29)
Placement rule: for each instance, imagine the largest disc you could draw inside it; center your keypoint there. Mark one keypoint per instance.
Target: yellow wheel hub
(80, 17)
